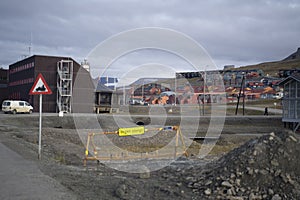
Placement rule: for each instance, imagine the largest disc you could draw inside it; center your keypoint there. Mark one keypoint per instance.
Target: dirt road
(22, 179)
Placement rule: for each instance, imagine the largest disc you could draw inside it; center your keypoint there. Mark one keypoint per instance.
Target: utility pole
(244, 83)
(204, 84)
(239, 96)
(175, 89)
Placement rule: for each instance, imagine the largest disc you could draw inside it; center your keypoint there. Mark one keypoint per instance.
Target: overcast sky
(231, 31)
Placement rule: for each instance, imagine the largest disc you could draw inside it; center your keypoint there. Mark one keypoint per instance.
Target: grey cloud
(231, 31)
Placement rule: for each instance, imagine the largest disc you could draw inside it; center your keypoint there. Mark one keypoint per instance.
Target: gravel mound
(263, 168)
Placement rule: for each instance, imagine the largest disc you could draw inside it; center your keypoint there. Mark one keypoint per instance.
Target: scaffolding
(64, 85)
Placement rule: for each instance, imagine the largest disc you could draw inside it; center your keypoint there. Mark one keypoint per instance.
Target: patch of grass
(221, 149)
(142, 149)
(60, 158)
(259, 102)
(231, 111)
(272, 68)
(216, 150)
(264, 102)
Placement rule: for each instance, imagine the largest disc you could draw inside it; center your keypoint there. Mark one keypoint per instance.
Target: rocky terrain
(262, 168)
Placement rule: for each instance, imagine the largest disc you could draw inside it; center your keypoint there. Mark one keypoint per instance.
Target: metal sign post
(40, 128)
(40, 87)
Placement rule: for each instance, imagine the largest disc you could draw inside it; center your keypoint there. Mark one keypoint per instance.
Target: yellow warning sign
(131, 131)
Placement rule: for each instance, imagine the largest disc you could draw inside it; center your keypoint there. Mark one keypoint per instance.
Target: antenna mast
(30, 44)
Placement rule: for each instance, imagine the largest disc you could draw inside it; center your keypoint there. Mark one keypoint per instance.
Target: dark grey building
(60, 74)
(3, 85)
(291, 101)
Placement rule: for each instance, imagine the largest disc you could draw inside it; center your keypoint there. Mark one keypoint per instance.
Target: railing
(65, 76)
(63, 108)
(63, 92)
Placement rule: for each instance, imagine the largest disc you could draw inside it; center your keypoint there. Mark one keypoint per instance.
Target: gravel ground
(186, 178)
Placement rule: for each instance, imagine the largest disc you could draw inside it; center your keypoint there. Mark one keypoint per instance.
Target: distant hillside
(293, 56)
(272, 68)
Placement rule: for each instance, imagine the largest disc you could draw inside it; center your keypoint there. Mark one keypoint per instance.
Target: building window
(105, 99)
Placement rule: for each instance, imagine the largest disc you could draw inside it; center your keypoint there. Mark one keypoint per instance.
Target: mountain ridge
(272, 68)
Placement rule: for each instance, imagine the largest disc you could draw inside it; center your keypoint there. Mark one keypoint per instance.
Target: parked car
(278, 95)
(137, 101)
(15, 106)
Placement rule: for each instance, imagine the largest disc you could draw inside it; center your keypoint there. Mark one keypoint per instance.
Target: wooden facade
(291, 101)
(103, 98)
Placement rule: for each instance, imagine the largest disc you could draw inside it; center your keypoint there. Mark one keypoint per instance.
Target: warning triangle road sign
(40, 86)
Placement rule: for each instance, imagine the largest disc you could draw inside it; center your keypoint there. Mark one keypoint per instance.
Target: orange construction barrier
(96, 151)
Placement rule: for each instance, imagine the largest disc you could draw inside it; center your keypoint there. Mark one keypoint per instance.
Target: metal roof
(103, 88)
(295, 77)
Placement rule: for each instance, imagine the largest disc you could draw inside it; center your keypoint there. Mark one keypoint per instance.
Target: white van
(14, 106)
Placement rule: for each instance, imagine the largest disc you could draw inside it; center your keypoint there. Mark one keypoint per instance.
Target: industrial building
(3, 84)
(59, 73)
